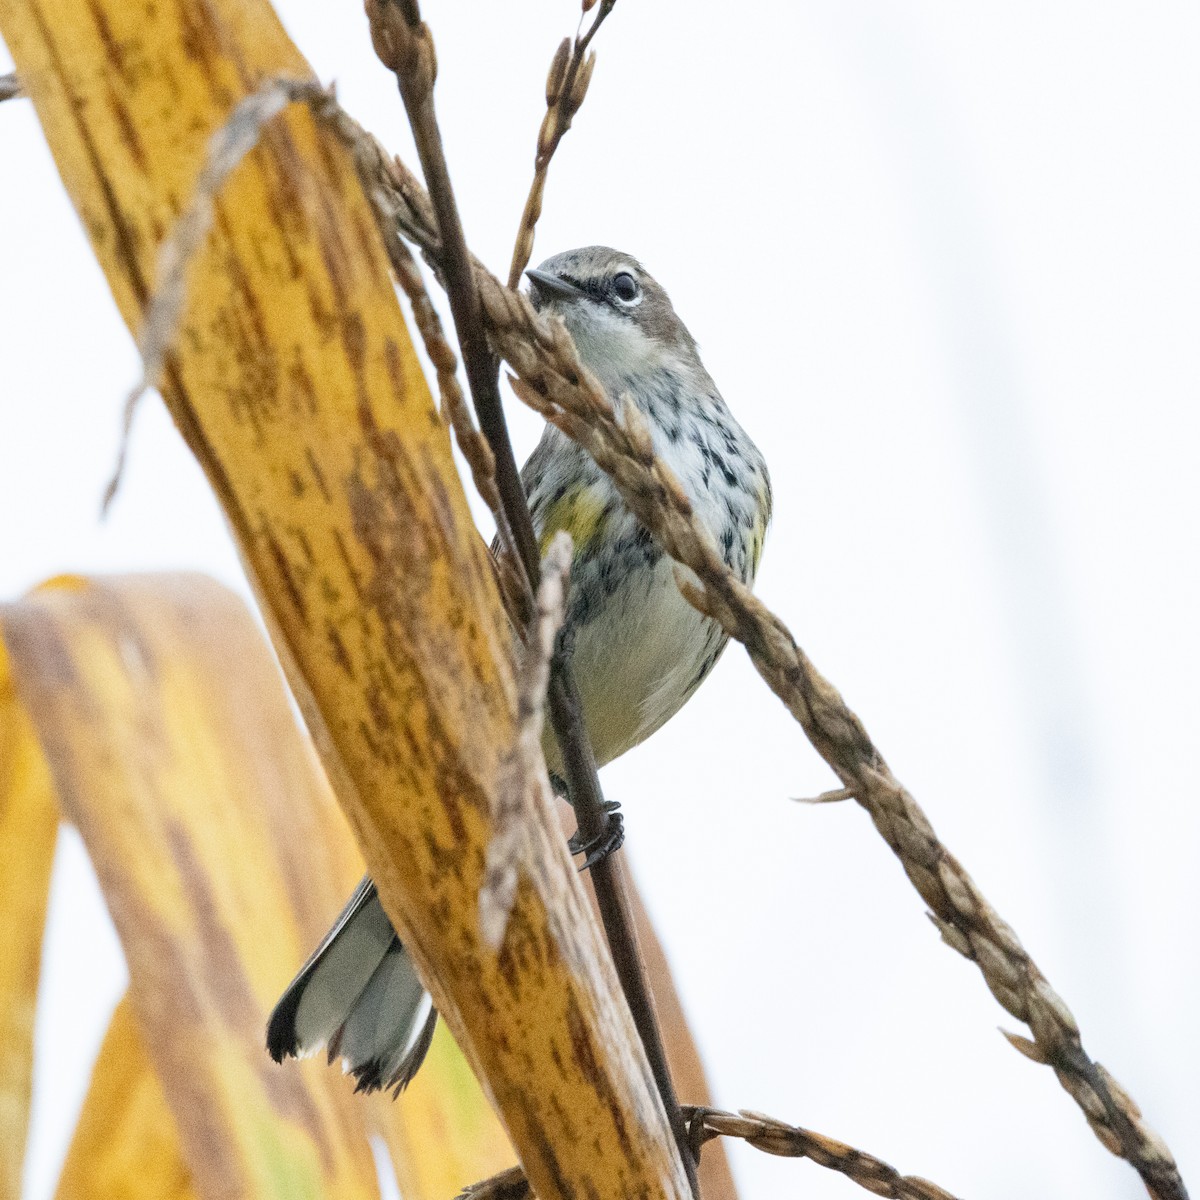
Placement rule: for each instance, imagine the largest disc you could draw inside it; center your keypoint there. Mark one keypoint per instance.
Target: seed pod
(582, 79)
(432, 60)
(548, 133)
(558, 71)
(588, 5)
(1031, 1050)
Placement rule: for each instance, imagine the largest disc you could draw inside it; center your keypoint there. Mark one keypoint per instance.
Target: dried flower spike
(557, 72)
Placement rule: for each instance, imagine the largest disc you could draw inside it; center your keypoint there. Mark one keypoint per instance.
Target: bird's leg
(601, 844)
(605, 842)
(600, 829)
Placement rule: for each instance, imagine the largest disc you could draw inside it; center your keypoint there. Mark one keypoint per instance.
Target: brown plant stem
(475, 448)
(403, 44)
(612, 898)
(525, 765)
(10, 86)
(772, 1137)
(791, 1141)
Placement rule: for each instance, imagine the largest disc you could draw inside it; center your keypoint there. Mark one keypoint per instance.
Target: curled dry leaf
(222, 857)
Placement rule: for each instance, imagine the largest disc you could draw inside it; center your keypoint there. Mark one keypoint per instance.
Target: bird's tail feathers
(359, 997)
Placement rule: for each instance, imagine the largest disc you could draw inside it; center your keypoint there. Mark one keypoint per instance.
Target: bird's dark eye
(625, 287)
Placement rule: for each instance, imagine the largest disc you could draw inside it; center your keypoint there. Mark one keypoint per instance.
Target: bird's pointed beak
(545, 286)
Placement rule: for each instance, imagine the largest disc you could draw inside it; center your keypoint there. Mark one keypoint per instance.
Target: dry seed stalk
(514, 587)
(553, 381)
(791, 1141)
(770, 1136)
(526, 766)
(566, 86)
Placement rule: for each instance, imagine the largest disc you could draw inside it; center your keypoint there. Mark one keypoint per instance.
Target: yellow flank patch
(580, 513)
(757, 536)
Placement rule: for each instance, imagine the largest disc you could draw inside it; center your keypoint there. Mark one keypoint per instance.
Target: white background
(943, 261)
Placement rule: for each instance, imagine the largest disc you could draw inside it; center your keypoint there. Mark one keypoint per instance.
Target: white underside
(634, 662)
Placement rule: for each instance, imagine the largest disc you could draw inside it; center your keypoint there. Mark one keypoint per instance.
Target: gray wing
(359, 996)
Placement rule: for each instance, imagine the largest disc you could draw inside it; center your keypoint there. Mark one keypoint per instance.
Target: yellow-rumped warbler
(638, 648)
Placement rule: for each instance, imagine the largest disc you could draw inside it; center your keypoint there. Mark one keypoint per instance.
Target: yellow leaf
(28, 827)
(126, 1145)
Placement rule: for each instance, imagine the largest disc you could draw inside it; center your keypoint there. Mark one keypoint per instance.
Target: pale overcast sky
(943, 260)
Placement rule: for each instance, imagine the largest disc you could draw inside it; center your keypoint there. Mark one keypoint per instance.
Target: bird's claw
(605, 842)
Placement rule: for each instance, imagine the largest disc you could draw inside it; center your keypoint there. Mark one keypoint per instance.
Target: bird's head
(619, 317)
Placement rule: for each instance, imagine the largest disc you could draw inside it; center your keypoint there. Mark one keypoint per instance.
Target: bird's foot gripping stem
(603, 843)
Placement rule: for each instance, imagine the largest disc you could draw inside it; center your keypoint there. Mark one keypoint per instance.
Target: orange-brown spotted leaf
(294, 381)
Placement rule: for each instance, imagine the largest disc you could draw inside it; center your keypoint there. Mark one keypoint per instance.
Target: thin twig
(10, 87)
(525, 766)
(403, 44)
(566, 86)
(770, 1136)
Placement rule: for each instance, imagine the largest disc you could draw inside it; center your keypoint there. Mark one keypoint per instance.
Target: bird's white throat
(613, 348)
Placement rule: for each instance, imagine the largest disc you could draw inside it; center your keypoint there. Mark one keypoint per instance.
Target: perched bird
(638, 648)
